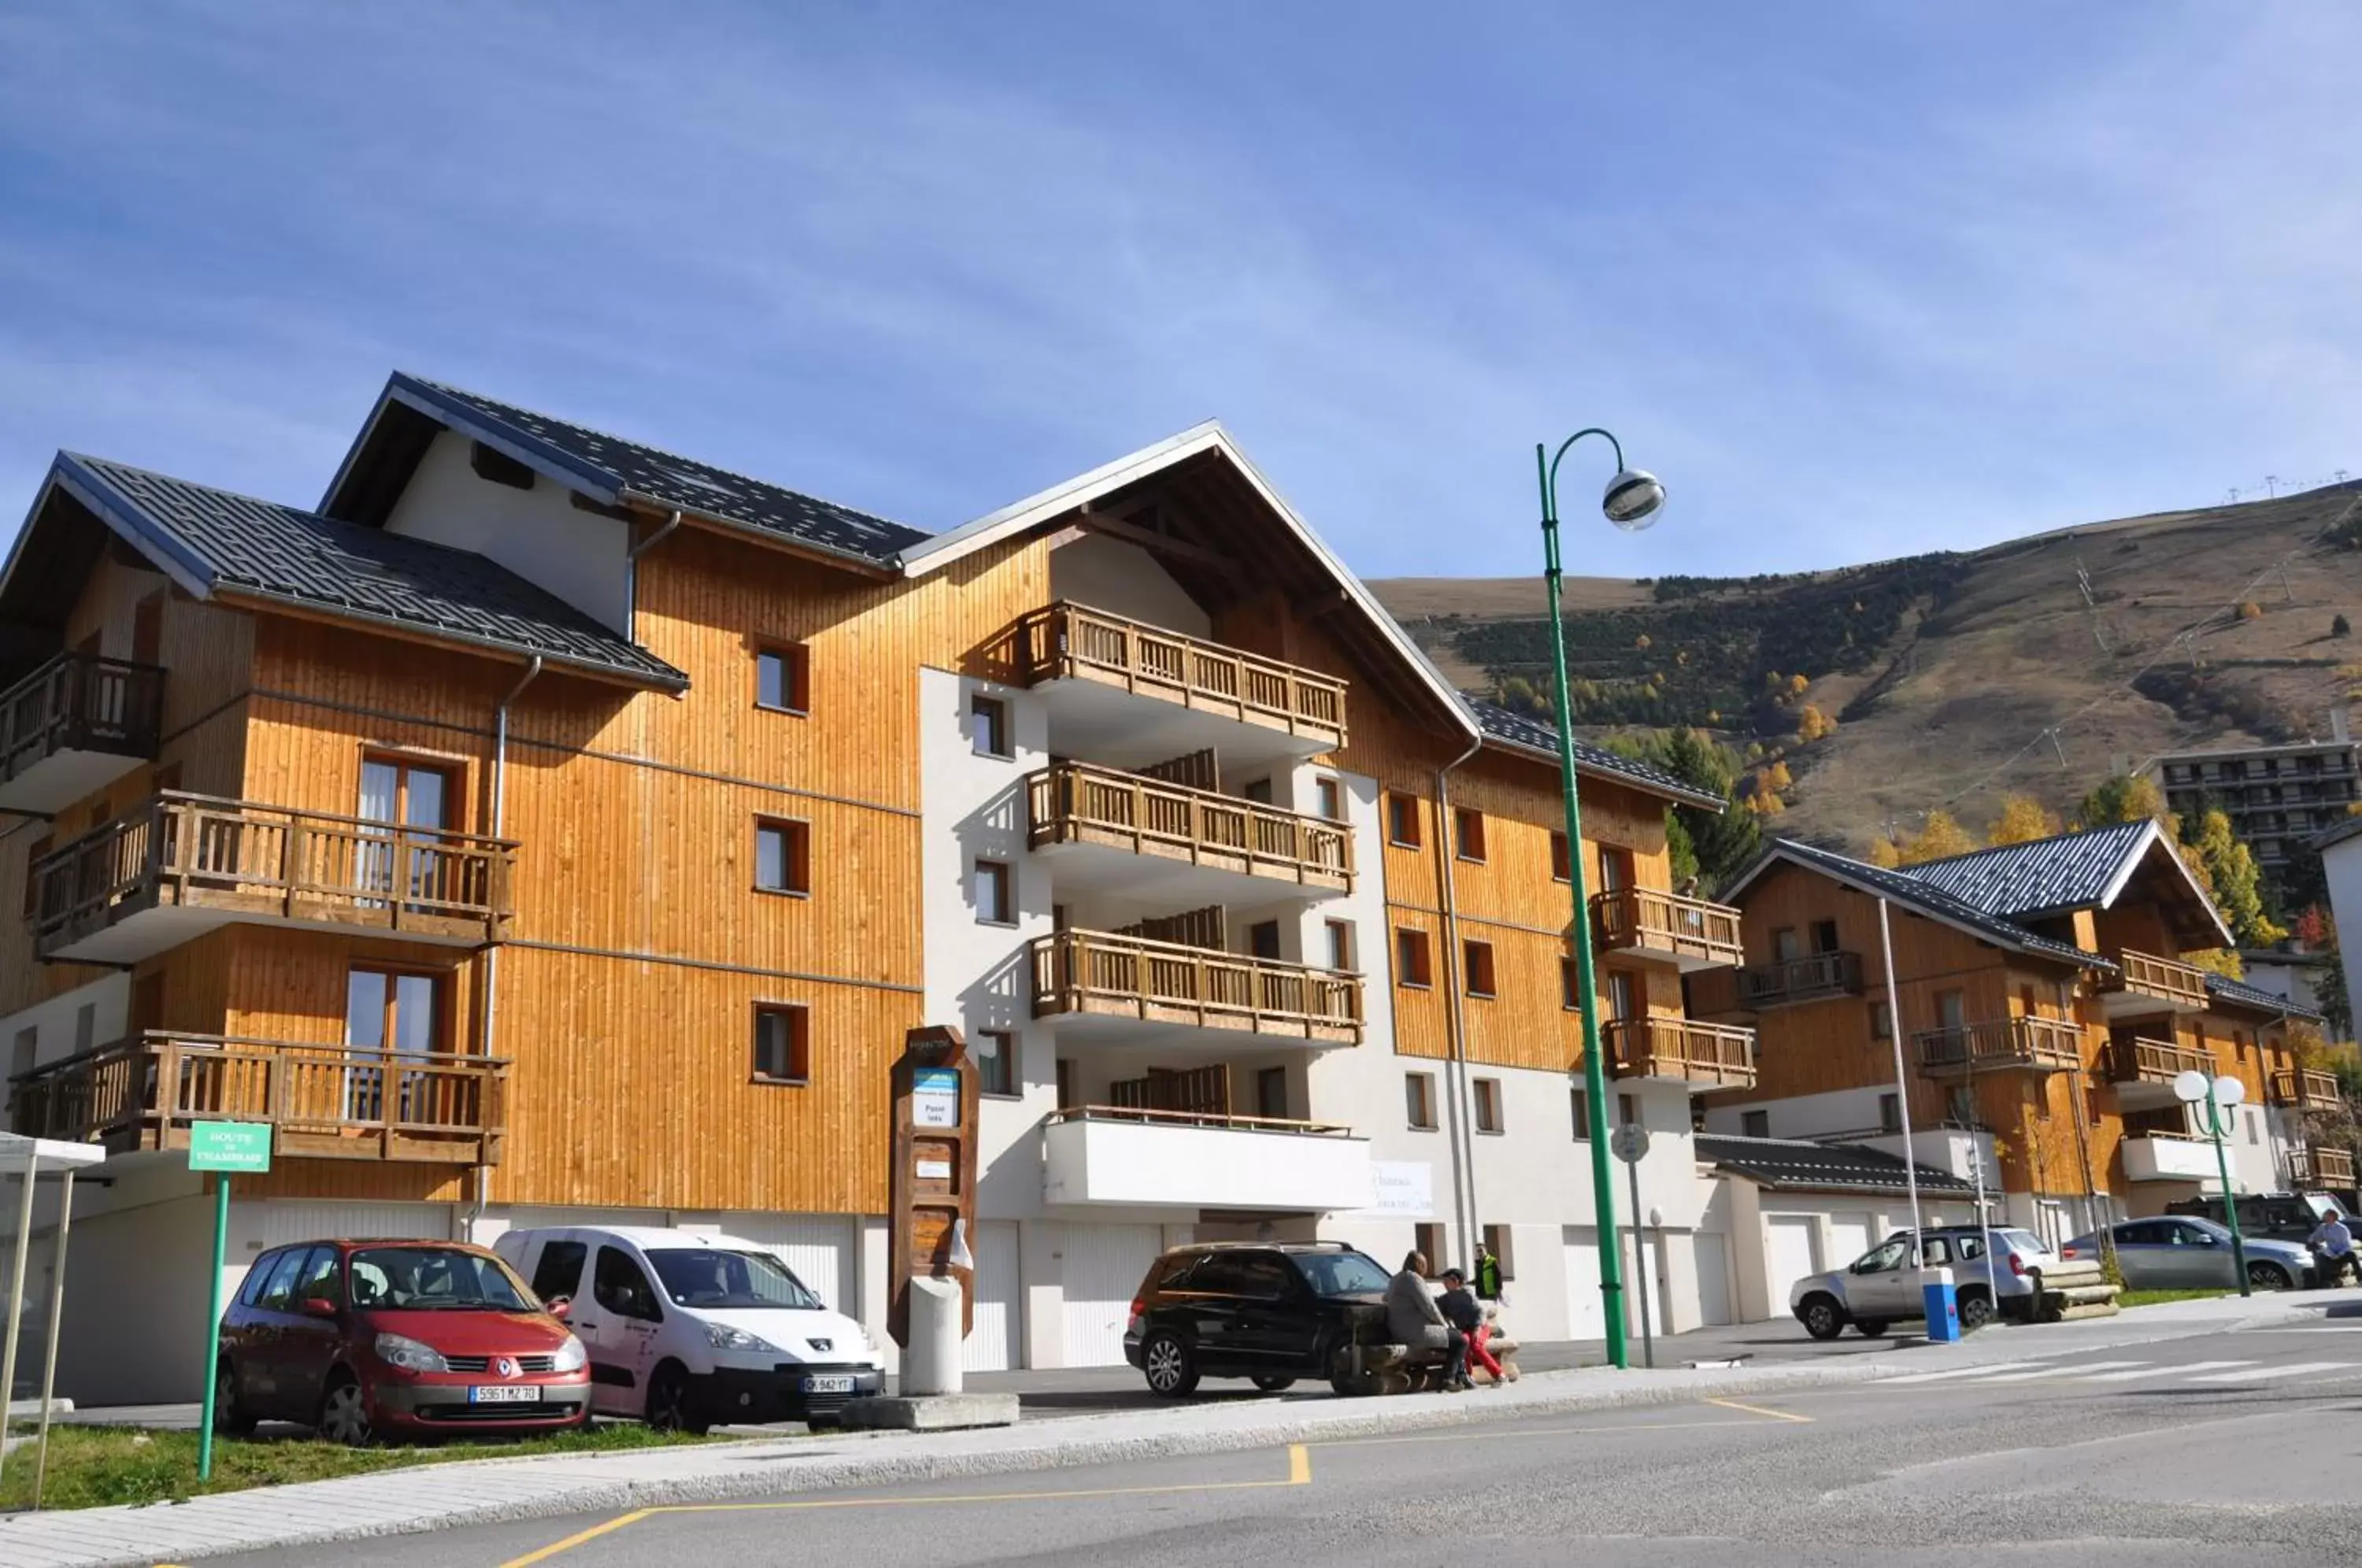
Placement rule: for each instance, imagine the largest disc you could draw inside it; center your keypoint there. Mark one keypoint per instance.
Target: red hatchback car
(364, 1339)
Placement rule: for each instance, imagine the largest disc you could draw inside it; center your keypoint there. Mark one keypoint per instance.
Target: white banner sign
(1402, 1189)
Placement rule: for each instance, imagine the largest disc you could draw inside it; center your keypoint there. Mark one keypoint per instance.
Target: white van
(691, 1330)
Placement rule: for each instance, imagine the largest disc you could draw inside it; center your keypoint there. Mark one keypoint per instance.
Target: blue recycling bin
(1943, 1305)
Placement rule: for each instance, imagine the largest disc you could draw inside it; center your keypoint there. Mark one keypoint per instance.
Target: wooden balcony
(2306, 1089)
(1126, 982)
(2143, 1070)
(1131, 1157)
(1816, 977)
(323, 1101)
(181, 865)
(2145, 986)
(1131, 818)
(1680, 1050)
(1111, 662)
(2319, 1167)
(1689, 934)
(74, 726)
(2005, 1045)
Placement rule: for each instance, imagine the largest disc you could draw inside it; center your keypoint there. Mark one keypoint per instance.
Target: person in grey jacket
(1413, 1319)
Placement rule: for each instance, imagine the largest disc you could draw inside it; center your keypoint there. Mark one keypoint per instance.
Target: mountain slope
(2035, 666)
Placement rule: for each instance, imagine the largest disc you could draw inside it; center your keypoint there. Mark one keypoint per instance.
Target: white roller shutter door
(818, 1247)
(1715, 1307)
(1586, 1317)
(1787, 1256)
(1104, 1265)
(1849, 1237)
(992, 1344)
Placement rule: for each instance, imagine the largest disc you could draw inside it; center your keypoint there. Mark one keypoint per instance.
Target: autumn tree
(1885, 851)
(2023, 820)
(2125, 797)
(1942, 834)
(1811, 724)
(2238, 883)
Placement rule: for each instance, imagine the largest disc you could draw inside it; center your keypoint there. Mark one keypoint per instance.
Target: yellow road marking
(1759, 1411)
(1300, 1474)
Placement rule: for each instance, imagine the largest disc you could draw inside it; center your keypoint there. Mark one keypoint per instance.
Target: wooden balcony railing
(2169, 981)
(80, 702)
(2046, 1045)
(1682, 1049)
(2319, 1167)
(2306, 1089)
(1813, 978)
(322, 1100)
(1069, 641)
(2153, 1060)
(1164, 982)
(1643, 919)
(1075, 802)
(256, 861)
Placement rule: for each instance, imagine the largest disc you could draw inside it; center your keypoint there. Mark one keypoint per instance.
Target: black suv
(2273, 1216)
(1270, 1311)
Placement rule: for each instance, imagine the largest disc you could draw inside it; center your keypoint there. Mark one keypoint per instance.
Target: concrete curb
(1082, 1441)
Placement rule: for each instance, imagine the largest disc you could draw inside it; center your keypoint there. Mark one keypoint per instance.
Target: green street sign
(243, 1147)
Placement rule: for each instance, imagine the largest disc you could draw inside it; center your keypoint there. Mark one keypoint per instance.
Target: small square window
(993, 905)
(1271, 1093)
(994, 1051)
(1418, 1095)
(1401, 821)
(1488, 1105)
(1890, 1113)
(783, 857)
(1581, 1102)
(1755, 1123)
(1561, 863)
(1410, 958)
(782, 679)
(1468, 835)
(1569, 993)
(1882, 1022)
(1476, 960)
(782, 1045)
(989, 726)
(1341, 944)
(1427, 1240)
(1627, 1111)
(1328, 799)
(1496, 1241)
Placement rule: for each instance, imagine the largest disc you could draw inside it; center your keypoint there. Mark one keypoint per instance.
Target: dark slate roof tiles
(2245, 995)
(237, 541)
(1792, 1166)
(1926, 898)
(1531, 735)
(2021, 880)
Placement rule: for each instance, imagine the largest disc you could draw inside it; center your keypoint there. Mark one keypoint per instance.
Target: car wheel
(1171, 1370)
(669, 1408)
(1824, 1320)
(2270, 1276)
(1976, 1311)
(344, 1413)
(1271, 1385)
(229, 1416)
(1871, 1328)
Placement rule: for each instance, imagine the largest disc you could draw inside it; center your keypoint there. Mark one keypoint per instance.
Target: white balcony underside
(2169, 1159)
(1187, 1044)
(1143, 1164)
(152, 931)
(60, 778)
(1162, 882)
(1123, 729)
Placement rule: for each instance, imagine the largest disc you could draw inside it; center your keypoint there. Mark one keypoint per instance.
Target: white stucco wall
(2341, 866)
(59, 1029)
(537, 534)
(1121, 579)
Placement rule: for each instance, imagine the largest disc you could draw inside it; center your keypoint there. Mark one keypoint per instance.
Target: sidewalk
(487, 1491)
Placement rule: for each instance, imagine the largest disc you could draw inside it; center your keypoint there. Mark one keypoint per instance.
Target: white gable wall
(538, 533)
(1101, 573)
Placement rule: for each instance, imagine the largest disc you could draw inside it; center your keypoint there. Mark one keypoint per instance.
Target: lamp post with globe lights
(1633, 501)
(2219, 1095)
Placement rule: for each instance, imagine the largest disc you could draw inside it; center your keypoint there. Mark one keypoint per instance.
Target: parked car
(360, 1339)
(2267, 1215)
(1271, 1313)
(689, 1330)
(2183, 1252)
(1882, 1286)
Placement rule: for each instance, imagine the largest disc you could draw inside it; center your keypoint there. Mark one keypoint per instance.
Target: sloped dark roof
(2020, 881)
(1923, 897)
(610, 468)
(1530, 736)
(1787, 1165)
(213, 539)
(2256, 997)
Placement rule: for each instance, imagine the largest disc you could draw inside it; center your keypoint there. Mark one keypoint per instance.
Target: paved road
(2224, 1449)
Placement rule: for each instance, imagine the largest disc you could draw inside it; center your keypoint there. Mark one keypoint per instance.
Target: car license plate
(829, 1383)
(504, 1394)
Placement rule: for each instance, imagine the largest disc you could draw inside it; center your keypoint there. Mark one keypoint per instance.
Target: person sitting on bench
(1414, 1322)
(1462, 1311)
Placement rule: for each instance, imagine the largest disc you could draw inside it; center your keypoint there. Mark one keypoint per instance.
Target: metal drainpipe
(632, 574)
(492, 958)
(1455, 1070)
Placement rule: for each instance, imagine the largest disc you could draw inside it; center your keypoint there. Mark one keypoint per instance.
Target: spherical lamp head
(1634, 500)
(2229, 1091)
(2189, 1087)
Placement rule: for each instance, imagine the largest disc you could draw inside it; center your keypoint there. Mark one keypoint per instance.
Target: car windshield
(434, 1279)
(1341, 1274)
(710, 1277)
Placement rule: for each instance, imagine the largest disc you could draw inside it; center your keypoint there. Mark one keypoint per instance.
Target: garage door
(1849, 1237)
(1586, 1318)
(1636, 1248)
(1787, 1256)
(992, 1344)
(818, 1247)
(1713, 1262)
(1103, 1267)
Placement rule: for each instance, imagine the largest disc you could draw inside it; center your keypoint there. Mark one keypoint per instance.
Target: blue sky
(1857, 280)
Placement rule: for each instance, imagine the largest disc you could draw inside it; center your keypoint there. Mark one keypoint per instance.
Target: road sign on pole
(1630, 1143)
(222, 1148)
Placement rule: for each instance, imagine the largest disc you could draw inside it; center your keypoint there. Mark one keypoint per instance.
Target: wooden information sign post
(933, 1181)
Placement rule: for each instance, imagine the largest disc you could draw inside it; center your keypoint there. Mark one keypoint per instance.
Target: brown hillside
(1953, 709)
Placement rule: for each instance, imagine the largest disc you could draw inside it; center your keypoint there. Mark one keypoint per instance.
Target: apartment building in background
(546, 828)
(2043, 1007)
(2278, 797)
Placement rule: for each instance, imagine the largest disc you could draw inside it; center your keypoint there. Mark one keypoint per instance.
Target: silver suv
(1882, 1286)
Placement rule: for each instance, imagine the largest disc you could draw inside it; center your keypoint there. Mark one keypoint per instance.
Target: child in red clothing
(1461, 1310)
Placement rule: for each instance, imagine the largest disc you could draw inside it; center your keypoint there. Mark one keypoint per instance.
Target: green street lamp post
(2219, 1095)
(1633, 501)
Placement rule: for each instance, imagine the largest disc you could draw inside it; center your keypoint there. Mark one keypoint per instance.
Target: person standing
(1465, 1313)
(1414, 1322)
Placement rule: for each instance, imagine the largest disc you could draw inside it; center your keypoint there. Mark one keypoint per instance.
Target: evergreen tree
(2125, 797)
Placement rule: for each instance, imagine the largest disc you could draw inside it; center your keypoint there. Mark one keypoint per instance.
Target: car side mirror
(318, 1307)
(560, 1306)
